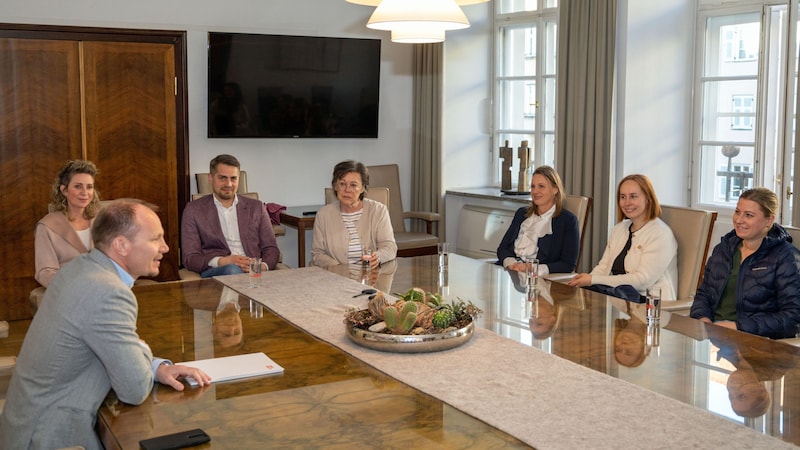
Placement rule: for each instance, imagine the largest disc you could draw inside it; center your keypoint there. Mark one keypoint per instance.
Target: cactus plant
(443, 318)
(400, 321)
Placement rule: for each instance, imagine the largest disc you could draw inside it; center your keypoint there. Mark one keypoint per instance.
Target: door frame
(175, 38)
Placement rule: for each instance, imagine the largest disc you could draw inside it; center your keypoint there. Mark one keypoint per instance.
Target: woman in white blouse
(641, 251)
(543, 230)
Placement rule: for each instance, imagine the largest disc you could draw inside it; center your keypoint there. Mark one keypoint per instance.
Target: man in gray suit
(83, 342)
(221, 232)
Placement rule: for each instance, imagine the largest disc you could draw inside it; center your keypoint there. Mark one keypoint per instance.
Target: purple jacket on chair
(202, 238)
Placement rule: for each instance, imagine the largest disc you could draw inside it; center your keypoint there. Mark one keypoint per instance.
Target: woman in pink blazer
(65, 232)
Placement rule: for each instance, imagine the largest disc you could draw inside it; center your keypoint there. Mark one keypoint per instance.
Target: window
(741, 129)
(743, 112)
(525, 79)
(739, 42)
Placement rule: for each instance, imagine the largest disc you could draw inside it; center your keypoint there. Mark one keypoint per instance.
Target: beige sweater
(329, 246)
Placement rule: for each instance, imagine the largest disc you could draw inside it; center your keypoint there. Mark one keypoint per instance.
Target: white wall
(285, 171)
(467, 148)
(654, 96)
(655, 69)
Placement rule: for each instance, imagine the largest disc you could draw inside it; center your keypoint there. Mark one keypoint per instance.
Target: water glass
(366, 255)
(255, 272)
(653, 304)
(444, 282)
(256, 309)
(531, 271)
(444, 255)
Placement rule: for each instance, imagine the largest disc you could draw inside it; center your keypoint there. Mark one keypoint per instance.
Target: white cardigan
(652, 260)
(329, 246)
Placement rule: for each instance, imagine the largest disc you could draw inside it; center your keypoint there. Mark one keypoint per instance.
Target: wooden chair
(692, 229)
(409, 243)
(580, 206)
(204, 187)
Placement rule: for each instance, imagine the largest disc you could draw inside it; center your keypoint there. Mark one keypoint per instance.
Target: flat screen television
(275, 86)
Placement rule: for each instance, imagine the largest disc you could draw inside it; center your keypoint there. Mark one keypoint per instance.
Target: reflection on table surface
(745, 378)
(324, 399)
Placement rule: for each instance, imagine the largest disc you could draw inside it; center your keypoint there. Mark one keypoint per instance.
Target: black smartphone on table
(183, 439)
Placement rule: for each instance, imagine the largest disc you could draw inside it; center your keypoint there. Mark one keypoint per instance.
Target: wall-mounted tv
(275, 86)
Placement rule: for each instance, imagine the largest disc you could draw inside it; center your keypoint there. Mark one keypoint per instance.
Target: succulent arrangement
(416, 312)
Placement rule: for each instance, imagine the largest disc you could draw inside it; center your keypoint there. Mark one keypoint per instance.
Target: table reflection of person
(226, 326)
(747, 389)
(546, 313)
(380, 278)
(630, 335)
(545, 316)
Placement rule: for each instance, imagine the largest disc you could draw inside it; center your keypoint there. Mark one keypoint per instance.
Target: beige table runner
(543, 400)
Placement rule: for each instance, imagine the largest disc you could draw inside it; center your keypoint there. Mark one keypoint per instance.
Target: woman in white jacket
(641, 251)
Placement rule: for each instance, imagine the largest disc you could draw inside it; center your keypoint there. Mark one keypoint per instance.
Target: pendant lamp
(418, 21)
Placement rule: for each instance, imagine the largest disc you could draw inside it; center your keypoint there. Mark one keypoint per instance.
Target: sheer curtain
(426, 184)
(586, 46)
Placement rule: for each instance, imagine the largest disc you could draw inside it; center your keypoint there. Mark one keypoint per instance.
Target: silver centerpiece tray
(410, 343)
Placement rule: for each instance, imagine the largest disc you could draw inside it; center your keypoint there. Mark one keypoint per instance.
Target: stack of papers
(563, 277)
(234, 367)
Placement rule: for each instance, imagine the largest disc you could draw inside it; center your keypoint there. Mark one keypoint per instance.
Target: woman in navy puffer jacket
(752, 280)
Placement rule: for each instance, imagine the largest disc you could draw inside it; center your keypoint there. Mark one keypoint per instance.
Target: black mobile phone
(309, 213)
(182, 439)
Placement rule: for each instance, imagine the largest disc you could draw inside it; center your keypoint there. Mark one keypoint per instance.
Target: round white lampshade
(377, 2)
(419, 36)
(409, 15)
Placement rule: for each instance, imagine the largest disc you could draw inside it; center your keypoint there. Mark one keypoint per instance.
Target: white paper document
(234, 367)
(563, 277)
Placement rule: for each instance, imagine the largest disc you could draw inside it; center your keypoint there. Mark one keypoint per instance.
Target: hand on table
(581, 280)
(518, 266)
(172, 374)
(242, 261)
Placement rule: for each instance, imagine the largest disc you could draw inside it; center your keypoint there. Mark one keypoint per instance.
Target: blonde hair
(58, 202)
(555, 181)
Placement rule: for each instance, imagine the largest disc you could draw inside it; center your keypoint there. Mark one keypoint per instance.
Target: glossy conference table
(328, 398)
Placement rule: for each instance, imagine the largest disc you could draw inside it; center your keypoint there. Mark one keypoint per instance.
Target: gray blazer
(81, 343)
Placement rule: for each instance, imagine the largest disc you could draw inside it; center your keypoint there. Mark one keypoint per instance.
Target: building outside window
(746, 76)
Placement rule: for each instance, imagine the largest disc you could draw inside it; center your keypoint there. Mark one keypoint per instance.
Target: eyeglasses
(344, 187)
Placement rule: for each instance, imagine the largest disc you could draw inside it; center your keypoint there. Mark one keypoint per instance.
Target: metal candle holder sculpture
(524, 155)
(507, 155)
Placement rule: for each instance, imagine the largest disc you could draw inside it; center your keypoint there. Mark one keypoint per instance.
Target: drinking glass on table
(366, 256)
(653, 304)
(531, 271)
(255, 272)
(444, 255)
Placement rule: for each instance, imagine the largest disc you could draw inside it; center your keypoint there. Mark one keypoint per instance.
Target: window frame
(541, 82)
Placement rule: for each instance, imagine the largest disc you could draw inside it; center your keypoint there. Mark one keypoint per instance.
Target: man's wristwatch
(164, 363)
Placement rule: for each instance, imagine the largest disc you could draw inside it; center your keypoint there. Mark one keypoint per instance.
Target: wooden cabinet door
(129, 114)
(110, 96)
(40, 129)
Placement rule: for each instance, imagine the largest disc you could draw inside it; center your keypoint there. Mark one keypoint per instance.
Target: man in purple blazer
(220, 232)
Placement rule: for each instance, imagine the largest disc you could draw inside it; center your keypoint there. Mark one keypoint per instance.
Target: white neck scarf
(531, 229)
